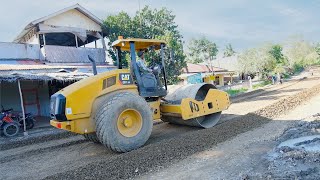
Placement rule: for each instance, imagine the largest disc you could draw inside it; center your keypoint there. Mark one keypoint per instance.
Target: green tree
(228, 51)
(256, 60)
(300, 53)
(149, 24)
(317, 48)
(174, 57)
(201, 50)
(276, 52)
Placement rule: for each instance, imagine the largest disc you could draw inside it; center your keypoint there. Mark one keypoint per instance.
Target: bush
(297, 68)
(286, 75)
(233, 92)
(264, 83)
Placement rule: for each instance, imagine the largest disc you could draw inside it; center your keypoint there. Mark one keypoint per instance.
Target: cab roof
(140, 44)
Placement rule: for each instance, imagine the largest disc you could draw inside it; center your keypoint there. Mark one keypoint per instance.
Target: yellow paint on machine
(86, 125)
(81, 101)
(155, 108)
(81, 97)
(80, 126)
(215, 101)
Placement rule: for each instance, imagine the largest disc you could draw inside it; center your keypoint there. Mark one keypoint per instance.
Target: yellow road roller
(117, 108)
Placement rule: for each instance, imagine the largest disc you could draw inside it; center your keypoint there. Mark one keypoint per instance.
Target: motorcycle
(30, 121)
(8, 126)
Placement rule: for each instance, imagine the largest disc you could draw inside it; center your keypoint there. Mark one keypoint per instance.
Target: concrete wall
(10, 96)
(61, 54)
(19, 51)
(73, 18)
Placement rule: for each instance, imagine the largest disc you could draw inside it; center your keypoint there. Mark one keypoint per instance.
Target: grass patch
(264, 83)
(233, 92)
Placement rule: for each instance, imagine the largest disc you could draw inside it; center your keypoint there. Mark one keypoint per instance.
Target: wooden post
(95, 43)
(44, 39)
(76, 38)
(23, 113)
(44, 46)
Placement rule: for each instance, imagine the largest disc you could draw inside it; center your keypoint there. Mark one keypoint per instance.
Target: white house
(49, 54)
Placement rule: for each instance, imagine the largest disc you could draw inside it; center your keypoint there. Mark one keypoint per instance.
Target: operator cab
(150, 83)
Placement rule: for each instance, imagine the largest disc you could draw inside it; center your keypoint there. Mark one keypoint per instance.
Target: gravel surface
(162, 154)
(239, 156)
(39, 151)
(48, 135)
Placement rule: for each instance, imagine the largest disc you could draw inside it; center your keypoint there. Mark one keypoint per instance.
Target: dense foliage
(228, 51)
(201, 50)
(291, 56)
(149, 24)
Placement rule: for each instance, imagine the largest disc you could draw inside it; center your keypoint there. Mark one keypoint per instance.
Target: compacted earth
(246, 143)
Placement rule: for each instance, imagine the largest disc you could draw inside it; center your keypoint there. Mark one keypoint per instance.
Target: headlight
(57, 107)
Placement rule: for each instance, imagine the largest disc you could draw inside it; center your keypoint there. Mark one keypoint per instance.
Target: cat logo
(125, 78)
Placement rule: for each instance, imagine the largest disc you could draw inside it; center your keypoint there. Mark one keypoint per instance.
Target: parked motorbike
(30, 121)
(8, 126)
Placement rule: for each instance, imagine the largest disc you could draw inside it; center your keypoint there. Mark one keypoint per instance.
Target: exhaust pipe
(94, 67)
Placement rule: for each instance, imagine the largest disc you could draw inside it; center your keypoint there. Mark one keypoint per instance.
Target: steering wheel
(156, 69)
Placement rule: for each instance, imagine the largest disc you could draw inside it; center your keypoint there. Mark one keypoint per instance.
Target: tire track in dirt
(39, 151)
(24, 141)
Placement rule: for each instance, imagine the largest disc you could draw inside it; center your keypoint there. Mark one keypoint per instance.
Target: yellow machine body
(82, 123)
(215, 101)
(80, 98)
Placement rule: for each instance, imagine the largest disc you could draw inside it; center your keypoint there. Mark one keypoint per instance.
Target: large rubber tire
(10, 129)
(106, 119)
(92, 137)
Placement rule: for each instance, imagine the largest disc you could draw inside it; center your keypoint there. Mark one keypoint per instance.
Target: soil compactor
(117, 108)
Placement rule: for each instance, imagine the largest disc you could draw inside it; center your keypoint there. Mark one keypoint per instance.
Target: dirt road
(74, 158)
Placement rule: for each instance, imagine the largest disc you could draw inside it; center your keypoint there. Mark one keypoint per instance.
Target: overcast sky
(243, 23)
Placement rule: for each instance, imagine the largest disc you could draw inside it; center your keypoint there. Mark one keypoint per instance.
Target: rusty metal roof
(10, 65)
(45, 72)
(11, 77)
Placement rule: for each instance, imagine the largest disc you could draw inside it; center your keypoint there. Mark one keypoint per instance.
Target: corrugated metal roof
(11, 77)
(61, 73)
(11, 67)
